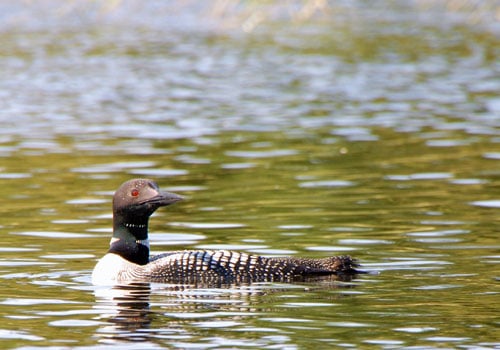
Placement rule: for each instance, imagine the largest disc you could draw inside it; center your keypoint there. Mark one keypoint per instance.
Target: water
(375, 135)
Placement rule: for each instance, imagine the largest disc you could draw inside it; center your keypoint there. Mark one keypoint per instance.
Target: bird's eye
(134, 192)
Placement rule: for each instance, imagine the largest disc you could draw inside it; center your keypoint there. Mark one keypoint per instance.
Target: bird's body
(128, 257)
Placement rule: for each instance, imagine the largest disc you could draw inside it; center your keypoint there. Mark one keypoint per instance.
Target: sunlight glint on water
(373, 135)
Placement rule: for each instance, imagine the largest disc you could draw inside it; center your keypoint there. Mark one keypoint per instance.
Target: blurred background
(307, 128)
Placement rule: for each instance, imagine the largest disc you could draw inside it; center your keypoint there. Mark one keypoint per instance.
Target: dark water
(375, 134)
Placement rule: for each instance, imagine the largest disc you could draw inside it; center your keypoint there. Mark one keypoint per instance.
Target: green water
(376, 137)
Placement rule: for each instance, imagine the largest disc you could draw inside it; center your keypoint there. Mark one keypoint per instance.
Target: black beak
(163, 199)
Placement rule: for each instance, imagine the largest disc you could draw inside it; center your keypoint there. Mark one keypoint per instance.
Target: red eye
(134, 193)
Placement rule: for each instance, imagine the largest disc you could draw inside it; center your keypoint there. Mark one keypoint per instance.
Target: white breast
(111, 269)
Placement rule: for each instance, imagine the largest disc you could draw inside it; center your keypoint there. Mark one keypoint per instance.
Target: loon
(128, 259)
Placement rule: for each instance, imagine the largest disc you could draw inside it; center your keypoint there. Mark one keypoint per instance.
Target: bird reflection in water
(127, 307)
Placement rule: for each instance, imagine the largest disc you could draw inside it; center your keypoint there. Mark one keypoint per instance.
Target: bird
(128, 258)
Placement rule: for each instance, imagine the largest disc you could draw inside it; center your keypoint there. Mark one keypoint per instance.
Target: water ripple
(413, 264)
(175, 238)
(238, 165)
(32, 301)
(17, 249)
(361, 241)
(86, 201)
(326, 183)
(415, 329)
(52, 234)
(159, 172)
(207, 225)
(438, 233)
(75, 323)
(15, 175)
(438, 287)
(331, 249)
(419, 176)
(492, 203)
(113, 167)
(13, 263)
(16, 334)
(349, 324)
(262, 154)
(469, 181)
(246, 247)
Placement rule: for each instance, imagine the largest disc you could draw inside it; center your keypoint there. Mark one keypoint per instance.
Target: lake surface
(368, 132)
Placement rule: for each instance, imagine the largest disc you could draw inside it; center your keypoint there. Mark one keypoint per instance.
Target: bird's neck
(130, 240)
